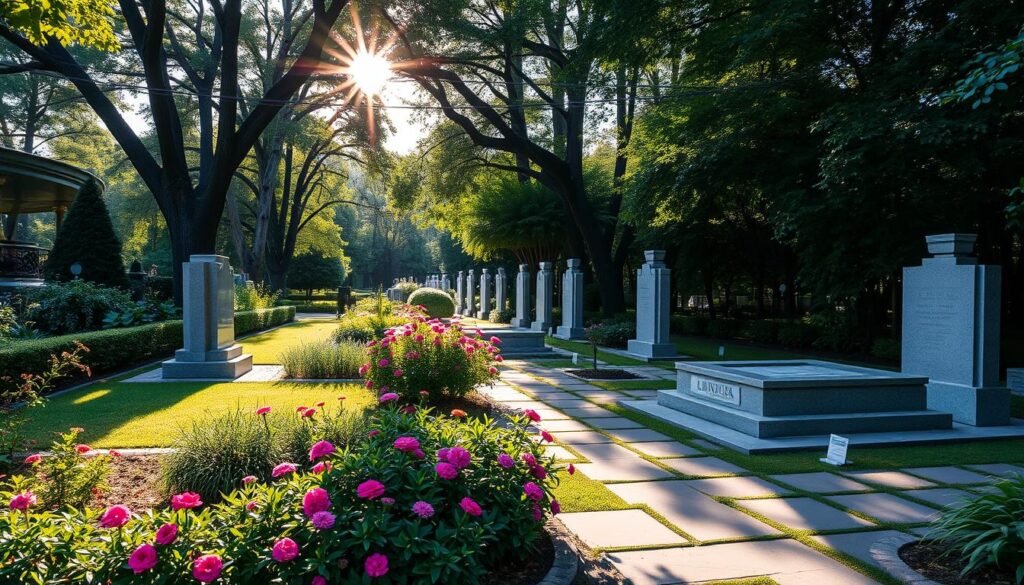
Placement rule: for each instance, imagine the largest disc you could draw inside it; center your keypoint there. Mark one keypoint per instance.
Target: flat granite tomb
(519, 343)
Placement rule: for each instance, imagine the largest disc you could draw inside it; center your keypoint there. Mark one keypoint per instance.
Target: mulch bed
(528, 571)
(928, 559)
(135, 482)
(605, 374)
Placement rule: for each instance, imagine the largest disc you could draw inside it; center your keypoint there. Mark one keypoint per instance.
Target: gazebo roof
(30, 183)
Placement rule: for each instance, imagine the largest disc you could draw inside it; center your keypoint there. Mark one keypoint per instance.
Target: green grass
(579, 493)
(553, 363)
(586, 352)
(266, 347)
(706, 348)
(1017, 406)
(118, 414)
(634, 384)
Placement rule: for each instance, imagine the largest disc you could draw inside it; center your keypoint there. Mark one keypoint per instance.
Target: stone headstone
(522, 318)
(446, 283)
(469, 306)
(500, 290)
(545, 297)
(460, 291)
(485, 295)
(572, 302)
(951, 331)
(653, 283)
(208, 312)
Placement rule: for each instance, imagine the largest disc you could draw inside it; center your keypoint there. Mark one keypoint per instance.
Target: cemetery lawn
(266, 347)
(634, 384)
(120, 414)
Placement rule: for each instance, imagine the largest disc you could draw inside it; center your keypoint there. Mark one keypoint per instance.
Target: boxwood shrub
(437, 302)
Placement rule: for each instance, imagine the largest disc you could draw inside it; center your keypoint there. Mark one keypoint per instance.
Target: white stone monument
(460, 291)
(572, 302)
(545, 297)
(208, 309)
(951, 331)
(469, 306)
(446, 283)
(485, 295)
(500, 290)
(653, 286)
(522, 318)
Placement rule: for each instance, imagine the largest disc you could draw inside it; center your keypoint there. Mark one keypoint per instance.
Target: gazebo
(31, 184)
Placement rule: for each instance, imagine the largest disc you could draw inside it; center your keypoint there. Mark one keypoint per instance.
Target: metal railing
(21, 260)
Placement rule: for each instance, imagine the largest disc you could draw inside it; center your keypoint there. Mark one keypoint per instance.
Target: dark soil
(605, 374)
(928, 559)
(528, 571)
(134, 482)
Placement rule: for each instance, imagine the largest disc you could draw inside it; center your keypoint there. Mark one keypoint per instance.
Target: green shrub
(65, 476)
(324, 359)
(385, 500)
(763, 330)
(160, 288)
(987, 530)
(502, 316)
(724, 327)
(70, 307)
(8, 321)
(365, 328)
(250, 297)
(407, 288)
(611, 333)
(260, 319)
(689, 324)
(437, 303)
(140, 313)
(886, 349)
(797, 335)
(837, 330)
(87, 236)
(310, 307)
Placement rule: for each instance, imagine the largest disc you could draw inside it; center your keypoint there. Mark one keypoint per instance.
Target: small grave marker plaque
(837, 450)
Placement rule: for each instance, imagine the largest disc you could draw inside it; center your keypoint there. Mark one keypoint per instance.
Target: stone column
(653, 290)
(446, 283)
(951, 331)
(545, 296)
(469, 306)
(485, 295)
(460, 291)
(500, 290)
(572, 302)
(522, 318)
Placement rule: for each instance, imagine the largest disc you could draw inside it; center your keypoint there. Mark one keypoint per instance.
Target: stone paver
(558, 426)
(550, 397)
(635, 469)
(567, 403)
(693, 512)
(804, 514)
(639, 435)
(619, 528)
(603, 396)
(736, 487)
(605, 452)
(944, 497)
(705, 444)
(589, 411)
(950, 475)
(666, 449)
(582, 438)
(894, 479)
(886, 507)
(702, 466)
(612, 423)
(547, 414)
(821, 482)
(507, 395)
(524, 404)
(998, 469)
(643, 394)
(856, 544)
(786, 561)
(560, 453)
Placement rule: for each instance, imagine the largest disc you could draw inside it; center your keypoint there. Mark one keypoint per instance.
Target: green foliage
(886, 349)
(324, 359)
(310, 307)
(313, 270)
(762, 330)
(250, 297)
(988, 73)
(8, 321)
(407, 288)
(502, 315)
(69, 307)
(87, 237)
(611, 333)
(65, 477)
(365, 328)
(70, 22)
(438, 303)
(447, 544)
(140, 313)
(987, 530)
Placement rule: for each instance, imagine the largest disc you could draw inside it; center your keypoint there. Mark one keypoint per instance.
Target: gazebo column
(59, 217)
(11, 225)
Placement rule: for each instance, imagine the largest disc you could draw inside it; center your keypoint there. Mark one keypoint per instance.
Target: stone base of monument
(222, 364)
(540, 326)
(983, 407)
(652, 352)
(519, 343)
(570, 333)
(1015, 380)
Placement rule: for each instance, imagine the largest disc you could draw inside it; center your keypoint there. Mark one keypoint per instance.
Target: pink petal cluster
(142, 558)
(470, 507)
(249, 479)
(322, 520)
(459, 457)
(506, 461)
(115, 516)
(166, 534)
(33, 459)
(320, 449)
(207, 568)
(533, 491)
(284, 550)
(283, 469)
(315, 500)
(370, 489)
(376, 565)
(388, 397)
(322, 466)
(263, 410)
(23, 501)
(532, 415)
(446, 470)
(423, 509)
(185, 501)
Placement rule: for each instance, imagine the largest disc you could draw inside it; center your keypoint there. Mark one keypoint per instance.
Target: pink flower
(442, 453)
(571, 469)
(538, 472)
(470, 507)
(387, 501)
(419, 454)
(383, 362)
(407, 444)
(459, 457)
(115, 516)
(252, 505)
(388, 397)
(423, 509)
(322, 467)
(419, 337)
(407, 409)
(533, 491)
(315, 500)
(547, 436)
(323, 520)
(263, 410)
(538, 514)
(532, 415)
(505, 461)
(113, 453)
(83, 448)
(363, 369)
(495, 340)
(446, 470)
(23, 501)
(167, 534)
(142, 558)
(284, 550)
(369, 383)
(499, 358)
(372, 433)
(283, 469)
(185, 501)
(529, 459)
(398, 373)
(33, 459)
(492, 370)
(318, 580)
(370, 489)
(556, 508)
(300, 409)
(249, 479)
(207, 568)
(320, 449)
(376, 565)
(308, 413)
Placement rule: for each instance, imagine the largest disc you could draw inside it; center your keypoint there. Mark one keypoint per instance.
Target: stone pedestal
(469, 304)
(545, 297)
(654, 281)
(572, 302)
(500, 290)
(446, 283)
(522, 318)
(951, 331)
(209, 348)
(485, 295)
(460, 291)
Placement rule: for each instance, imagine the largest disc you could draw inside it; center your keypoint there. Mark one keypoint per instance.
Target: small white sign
(575, 358)
(715, 390)
(721, 351)
(837, 450)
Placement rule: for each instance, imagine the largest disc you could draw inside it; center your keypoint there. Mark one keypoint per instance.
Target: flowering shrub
(436, 302)
(431, 357)
(65, 476)
(379, 513)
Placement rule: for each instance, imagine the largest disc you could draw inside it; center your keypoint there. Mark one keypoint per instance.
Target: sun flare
(370, 72)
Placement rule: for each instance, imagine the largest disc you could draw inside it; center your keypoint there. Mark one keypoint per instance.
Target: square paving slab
(612, 423)
(887, 507)
(951, 475)
(605, 452)
(560, 453)
(857, 544)
(944, 497)
(582, 438)
(639, 435)
(703, 466)
(604, 396)
(894, 479)
(804, 514)
(736, 487)
(619, 528)
(635, 469)
(643, 394)
(693, 512)
(590, 411)
(559, 426)
(998, 469)
(568, 403)
(666, 449)
(821, 482)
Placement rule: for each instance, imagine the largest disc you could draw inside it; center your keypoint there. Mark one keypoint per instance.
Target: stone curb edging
(886, 553)
(566, 563)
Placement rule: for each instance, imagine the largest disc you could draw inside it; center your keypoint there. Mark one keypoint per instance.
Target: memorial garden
(511, 293)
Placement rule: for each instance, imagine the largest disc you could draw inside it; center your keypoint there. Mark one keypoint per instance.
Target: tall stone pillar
(485, 295)
(500, 290)
(469, 307)
(460, 291)
(545, 297)
(653, 289)
(522, 318)
(446, 283)
(572, 302)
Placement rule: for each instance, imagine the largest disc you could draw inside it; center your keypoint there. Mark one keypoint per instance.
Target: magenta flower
(499, 358)
(388, 397)
(383, 362)
(470, 507)
(283, 469)
(538, 472)
(315, 500)
(115, 516)
(419, 337)
(532, 415)
(423, 509)
(529, 459)
(533, 491)
(207, 568)
(538, 514)
(372, 433)
(407, 444)
(142, 558)
(387, 501)
(492, 370)
(370, 489)
(398, 373)
(459, 457)
(446, 470)
(442, 453)
(33, 459)
(547, 436)
(284, 550)
(185, 501)
(252, 505)
(320, 449)
(263, 410)
(571, 469)
(376, 565)
(322, 467)
(363, 369)
(166, 534)
(249, 479)
(556, 508)
(506, 461)
(323, 520)
(318, 580)
(23, 501)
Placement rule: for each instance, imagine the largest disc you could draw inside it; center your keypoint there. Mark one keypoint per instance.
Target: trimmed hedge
(795, 334)
(115, 349)
(438, 303)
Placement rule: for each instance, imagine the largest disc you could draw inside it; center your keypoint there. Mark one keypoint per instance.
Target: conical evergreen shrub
(87, 237)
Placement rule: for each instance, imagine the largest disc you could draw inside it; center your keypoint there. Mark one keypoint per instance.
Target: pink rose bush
(468, 488)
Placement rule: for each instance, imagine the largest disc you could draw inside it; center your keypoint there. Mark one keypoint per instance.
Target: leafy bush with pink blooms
(421, 499)
(432, 357)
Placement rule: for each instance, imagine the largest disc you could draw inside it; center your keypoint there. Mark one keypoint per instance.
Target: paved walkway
(688, 516)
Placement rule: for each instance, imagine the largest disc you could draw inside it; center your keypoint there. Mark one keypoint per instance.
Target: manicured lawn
(635, 384)
(578, 493)
(265, 347)
(1017, 406)
(586, 351)
(554, 363)
(706, 348)
(118, 414)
